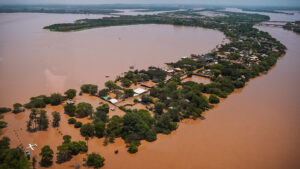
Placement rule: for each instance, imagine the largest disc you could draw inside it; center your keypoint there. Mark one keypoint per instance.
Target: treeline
(293, 26)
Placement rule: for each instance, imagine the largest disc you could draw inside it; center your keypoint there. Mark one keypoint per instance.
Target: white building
(139, 91)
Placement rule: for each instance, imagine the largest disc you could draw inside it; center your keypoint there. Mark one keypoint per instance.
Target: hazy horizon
(285, 3)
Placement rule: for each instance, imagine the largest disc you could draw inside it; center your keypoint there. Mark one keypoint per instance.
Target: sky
(202, 2)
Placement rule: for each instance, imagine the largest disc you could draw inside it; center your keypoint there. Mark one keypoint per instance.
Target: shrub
(87, 130)
(4, 110)
(56, 99)
(83, 110)
(213, 99)
(71, 93)
(70, 109)
(47, 156)
(72, 121)
(95, 160)
(89, 88)
(78, 124)
(132, 148)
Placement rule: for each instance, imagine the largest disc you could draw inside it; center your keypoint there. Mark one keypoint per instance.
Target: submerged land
(166, 97)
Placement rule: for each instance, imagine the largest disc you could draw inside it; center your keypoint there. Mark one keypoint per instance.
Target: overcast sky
(205, 2)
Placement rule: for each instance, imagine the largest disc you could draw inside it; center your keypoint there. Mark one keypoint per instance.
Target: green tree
(99, 129)
(103, 92)
(14, 159)
(87, 130)
(213, 99)
(125, 82)
(43, 121)
(83, 110)
(132, 148)
(165, 124)
(72, 121)
(95, 160)
(111, 85)
(159, 107)
(17, 108)
(70, 109)
(3, 124)
(4, 110)
(70, 93)
(56, 119)
(89, 88)
(78, 124)
(64, 153)
(128, 93)
(67, 139)
(101, 113)
(47, 156)
(56, 99)
(114, 126)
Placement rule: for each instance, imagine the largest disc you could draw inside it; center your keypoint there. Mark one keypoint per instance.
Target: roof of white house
(113, 101)
(139, 91)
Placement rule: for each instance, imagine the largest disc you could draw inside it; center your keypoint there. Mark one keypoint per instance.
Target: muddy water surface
(256, 127)
(34, 61)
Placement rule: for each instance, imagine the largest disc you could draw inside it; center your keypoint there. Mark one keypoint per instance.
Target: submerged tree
(47, 156)
(71, 93)
(95, 160)
(56, 119)
(83, 109)
(70, 109)
(38, 120)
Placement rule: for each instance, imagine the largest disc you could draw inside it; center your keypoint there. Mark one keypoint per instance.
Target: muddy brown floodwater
(254, 128)
(34, 61)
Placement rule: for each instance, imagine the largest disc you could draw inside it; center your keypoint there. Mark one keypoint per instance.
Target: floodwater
(34, 61)
(256, 127)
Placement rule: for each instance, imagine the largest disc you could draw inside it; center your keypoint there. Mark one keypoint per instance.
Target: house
(139, 91)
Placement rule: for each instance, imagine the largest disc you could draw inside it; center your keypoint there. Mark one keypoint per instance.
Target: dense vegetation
(47, 156)
(70, 148)
(38, 120)
(12, 158)
(293, 26)
(95, 160)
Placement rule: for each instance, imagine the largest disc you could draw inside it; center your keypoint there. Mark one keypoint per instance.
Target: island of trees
(293, 26)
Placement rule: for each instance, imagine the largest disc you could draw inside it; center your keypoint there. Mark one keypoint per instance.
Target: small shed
(113, 101)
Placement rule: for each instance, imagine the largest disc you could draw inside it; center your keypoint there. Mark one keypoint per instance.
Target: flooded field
(34, 61)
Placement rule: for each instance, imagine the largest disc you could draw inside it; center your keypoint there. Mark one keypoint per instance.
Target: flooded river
(34, 61)
(254, 128)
